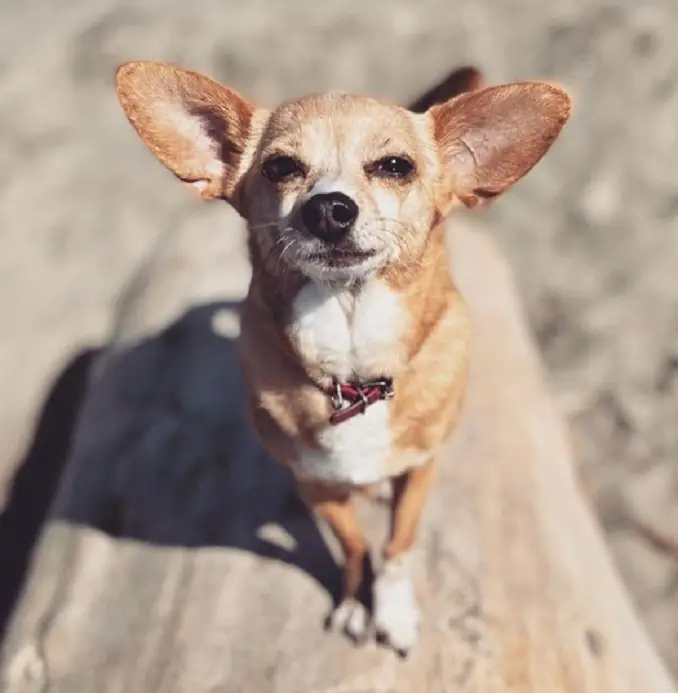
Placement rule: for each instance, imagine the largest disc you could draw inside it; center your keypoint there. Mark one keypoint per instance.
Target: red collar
(349, 399)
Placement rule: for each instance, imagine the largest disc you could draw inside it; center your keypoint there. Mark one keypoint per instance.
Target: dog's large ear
(489, 139)
(198, 128)
(459, 81)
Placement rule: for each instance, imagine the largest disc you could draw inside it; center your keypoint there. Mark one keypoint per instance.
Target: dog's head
(337, 185)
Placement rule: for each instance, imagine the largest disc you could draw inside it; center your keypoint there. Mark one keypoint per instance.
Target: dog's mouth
(341, 257)
(344, 260)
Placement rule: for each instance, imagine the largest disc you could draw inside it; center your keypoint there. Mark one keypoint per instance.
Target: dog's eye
(392, 167)
(281, 168)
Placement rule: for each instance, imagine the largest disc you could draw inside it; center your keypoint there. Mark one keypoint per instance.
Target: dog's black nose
(329, 216)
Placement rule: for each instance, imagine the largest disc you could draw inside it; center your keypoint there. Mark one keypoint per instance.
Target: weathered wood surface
(178, 560)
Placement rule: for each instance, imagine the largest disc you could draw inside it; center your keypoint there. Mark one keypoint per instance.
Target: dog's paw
(396, 613)
(352, 618)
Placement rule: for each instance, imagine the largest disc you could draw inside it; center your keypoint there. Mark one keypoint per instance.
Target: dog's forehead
(338, 119)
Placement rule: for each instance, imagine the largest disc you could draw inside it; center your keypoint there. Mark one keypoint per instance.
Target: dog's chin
(341, 266)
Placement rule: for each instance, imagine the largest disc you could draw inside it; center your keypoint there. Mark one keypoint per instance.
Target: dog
(354, 338)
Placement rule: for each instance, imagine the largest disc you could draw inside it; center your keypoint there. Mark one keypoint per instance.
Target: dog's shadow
(37, 478)
(163, 454)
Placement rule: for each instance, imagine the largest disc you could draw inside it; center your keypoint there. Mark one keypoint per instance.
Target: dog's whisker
(288, 245)
(266, 225)
(275, 224)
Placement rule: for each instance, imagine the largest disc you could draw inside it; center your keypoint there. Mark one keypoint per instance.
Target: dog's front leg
(396, 612)
(335, 506)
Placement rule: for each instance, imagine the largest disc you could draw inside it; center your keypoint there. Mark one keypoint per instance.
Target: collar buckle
(349, 399)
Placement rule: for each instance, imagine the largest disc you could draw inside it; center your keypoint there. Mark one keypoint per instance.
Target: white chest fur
(350, 337)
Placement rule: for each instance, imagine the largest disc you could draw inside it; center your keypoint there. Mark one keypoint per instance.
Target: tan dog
(354, 338)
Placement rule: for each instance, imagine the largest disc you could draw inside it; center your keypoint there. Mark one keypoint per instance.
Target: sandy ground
(592, 232)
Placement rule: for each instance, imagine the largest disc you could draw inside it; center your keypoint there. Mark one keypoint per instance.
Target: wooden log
(178, 558)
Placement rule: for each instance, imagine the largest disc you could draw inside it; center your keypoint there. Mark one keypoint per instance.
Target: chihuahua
(354, 338)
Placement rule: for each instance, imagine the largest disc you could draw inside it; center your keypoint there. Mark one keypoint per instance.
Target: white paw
(396, 613)
(351, 617)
